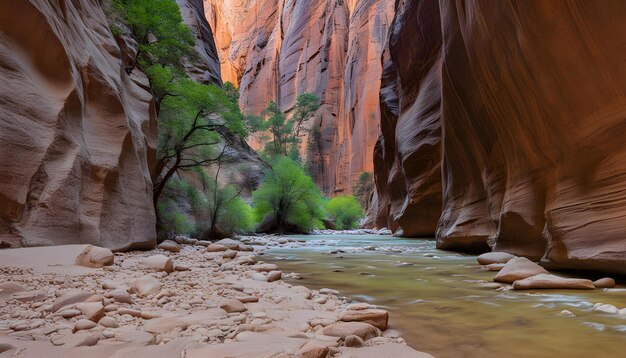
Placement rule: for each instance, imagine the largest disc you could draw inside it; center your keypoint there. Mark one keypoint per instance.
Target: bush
(344, 211)
(289, 198)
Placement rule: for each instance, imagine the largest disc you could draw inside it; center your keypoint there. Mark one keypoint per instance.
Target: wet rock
(145, 286)
(274, 276)
(159, 263)
(232, 306)
(547, 281)
(376, 317)
(493, 267)
(93, 310)
(95, 257)
(517, 269)
(354, 341)
(606, 308)
(494, 258)
(169, 245)
(344, 329)
(566, 313)
(83, 324)
(605, 282)
(216, 248)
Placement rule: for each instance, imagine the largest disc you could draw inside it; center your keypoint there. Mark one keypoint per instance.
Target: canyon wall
(513, 113)
(277, 49)
(77, 134)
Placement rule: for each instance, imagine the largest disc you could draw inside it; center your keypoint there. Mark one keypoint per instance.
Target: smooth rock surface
(546, 281)
(517, 269)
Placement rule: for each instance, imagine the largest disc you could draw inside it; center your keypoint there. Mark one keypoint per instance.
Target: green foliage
(363, 188)
(290, 197)
(227, 210)
(284, 135)
(344, 211)
(158, 27)
(232, 92)
(178, 198)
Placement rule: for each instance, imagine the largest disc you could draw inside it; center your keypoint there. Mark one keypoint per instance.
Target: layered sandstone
(275, 50)
(520, 108)
(76, 132)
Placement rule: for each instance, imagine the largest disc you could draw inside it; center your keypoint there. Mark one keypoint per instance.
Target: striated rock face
(275, 50)
(76, 133)
(520, 108)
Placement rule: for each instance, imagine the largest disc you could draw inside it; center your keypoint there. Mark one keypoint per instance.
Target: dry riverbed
(180, 300)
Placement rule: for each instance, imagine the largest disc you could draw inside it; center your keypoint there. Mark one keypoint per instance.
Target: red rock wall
(76, 133)
(276, 49)
(532, 115)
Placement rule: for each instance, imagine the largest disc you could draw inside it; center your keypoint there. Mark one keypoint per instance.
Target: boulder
(145, 286)
(605, 282)
(354, 341)
(314, 350)
(547, 281)
(108, 322)
(376, 317)
(518, 268)
(232, 306)
(95, 257)
(93, 310)
(69, 298)
(159, 263)
(343, 329)
(494, 258)
(274, 276)
(229, 243)
(164, 325)
(216, 248)
(83, 324)
(169, 245)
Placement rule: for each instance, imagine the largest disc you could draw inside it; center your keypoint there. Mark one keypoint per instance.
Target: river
(442, 304)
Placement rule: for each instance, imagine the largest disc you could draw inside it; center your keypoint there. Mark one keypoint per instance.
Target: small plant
(344, 211)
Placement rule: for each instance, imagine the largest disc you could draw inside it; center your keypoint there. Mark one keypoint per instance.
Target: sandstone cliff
(77, 134)
(511, 112)
(276, 49)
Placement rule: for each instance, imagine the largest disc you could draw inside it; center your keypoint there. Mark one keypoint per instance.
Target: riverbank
(178, 300)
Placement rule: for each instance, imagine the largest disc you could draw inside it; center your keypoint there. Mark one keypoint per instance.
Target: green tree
(158, 27)
(191, 126)
(289, 198)
(344, 211)
(306, 105)
(363, 188)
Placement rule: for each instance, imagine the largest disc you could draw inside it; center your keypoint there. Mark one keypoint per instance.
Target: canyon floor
(179, 300)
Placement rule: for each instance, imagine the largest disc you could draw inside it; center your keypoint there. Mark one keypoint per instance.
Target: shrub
(344, 211)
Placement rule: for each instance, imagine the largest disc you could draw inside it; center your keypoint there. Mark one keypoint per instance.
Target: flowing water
(439, 302)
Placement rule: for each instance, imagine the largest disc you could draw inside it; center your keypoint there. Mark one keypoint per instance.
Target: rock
(566, 313)
(121, 296)
(494, 258)
(354, 341)
(605, 282)
(248, 299)
(518, 268)
(232, 306)
(31, 296)
(344, 329)
(547, 281)
(129, 311)
(5, 244)
(258, 277)
(314, 350)
(69, 298)
(216, 248)
(274, 276)
(83, 324)
(169, 245)
(247, 248)
(146, 285)
(229, 254)
(229, 243)
(622, 312)
(265, 267)
(69, 313)
(606, 308)
(108, 322)
(159, 263)
(95, 257)
(93, 310)
(135, 336)
(7, 289)
(493, 267)
(164, 325)
(376, 317)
